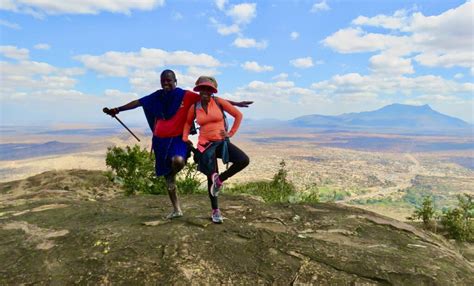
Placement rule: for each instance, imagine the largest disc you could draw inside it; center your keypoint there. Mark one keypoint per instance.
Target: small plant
(188, 182)
(135, 170)
(310, 195)
(277, 190)
(458, 222)
(280, 183)
(426, 212)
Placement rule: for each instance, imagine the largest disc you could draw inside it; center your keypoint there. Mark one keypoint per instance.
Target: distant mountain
(398, 117)
(19, 151)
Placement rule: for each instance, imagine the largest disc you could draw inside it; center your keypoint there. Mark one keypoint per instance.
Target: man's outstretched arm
(128, 106)
(240, 103)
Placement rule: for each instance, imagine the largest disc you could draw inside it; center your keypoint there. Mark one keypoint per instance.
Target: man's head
(168, 80)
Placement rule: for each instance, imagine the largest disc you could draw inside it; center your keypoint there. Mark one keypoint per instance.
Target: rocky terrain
(76, 227)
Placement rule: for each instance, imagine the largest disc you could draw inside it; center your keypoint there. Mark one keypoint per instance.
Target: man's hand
(190, 144)
(112, 112)
(243, 103)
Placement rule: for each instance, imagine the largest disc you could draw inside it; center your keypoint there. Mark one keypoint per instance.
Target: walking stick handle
(107, 110)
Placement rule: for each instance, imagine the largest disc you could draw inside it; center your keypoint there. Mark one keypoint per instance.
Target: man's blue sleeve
(151, 106)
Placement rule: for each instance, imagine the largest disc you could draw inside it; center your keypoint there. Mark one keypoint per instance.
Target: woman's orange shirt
(212, 123)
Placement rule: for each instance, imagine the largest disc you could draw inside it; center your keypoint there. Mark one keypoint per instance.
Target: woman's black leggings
(239, 161)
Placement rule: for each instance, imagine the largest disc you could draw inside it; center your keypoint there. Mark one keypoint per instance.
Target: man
(166, 111)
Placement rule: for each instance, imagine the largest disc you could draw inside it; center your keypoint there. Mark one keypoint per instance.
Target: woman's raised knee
(245, 161)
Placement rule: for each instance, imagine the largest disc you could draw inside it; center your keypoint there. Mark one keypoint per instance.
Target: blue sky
(62, 61)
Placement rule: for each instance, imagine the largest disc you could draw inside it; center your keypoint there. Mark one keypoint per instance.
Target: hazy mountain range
(394, 118)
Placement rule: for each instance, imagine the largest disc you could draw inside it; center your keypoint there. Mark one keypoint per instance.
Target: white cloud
(26, 68)
(280, 95)
(294, 35)
(115, 93)
(282, 91)
(147, 81)
(280, 77)
(321, 6)
(249, 43)
(221, 4)
(40, 104)
(42, 46)
(302, 63)
(29, 76)
(38, 88)
(243, 13)
(228, 30)
(284, 84)
(255, 67)
(53, 7)
(120, 64)
(13, 52)
(353, 40)
(224, 29)
(10, 25)
(398, 20)
(391, 65)
(458, 75)
(354, 83)
(437, 41)
(434, 59)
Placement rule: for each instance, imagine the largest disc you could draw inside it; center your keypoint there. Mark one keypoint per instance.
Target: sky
(63, 61)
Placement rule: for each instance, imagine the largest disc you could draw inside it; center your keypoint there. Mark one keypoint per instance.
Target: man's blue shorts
(165, 149)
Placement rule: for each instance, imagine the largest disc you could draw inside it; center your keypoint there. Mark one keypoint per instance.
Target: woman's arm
(227, 106)
(188, 123)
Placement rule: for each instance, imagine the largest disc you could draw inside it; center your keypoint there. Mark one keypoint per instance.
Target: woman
(213, 141)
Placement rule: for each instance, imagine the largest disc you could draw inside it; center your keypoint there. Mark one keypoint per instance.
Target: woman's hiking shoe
(216, 185)
(174, 214)
(217, 216)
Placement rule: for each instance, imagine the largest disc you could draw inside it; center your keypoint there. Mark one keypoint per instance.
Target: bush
(458, 222)
(310, 195)
(135, 170)
(188, 182)
(277, 190)
(426, 212)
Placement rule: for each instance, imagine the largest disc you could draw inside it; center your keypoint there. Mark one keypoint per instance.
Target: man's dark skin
(168, 83)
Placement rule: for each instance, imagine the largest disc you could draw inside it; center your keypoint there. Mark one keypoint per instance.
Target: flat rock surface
(58, 238)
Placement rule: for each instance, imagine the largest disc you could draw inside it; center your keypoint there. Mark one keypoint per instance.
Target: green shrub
(310, 195)
(277, 190)
(134, 169)
(426, 212)
(327, 194)
(458, 222)
(188, 182)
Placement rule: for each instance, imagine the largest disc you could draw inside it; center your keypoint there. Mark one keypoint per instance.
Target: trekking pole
(106, 110)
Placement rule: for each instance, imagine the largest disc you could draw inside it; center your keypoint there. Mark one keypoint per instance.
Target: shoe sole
(174, 216)
(217, 222)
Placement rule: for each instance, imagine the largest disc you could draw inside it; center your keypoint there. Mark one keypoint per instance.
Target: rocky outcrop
(64, 239)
